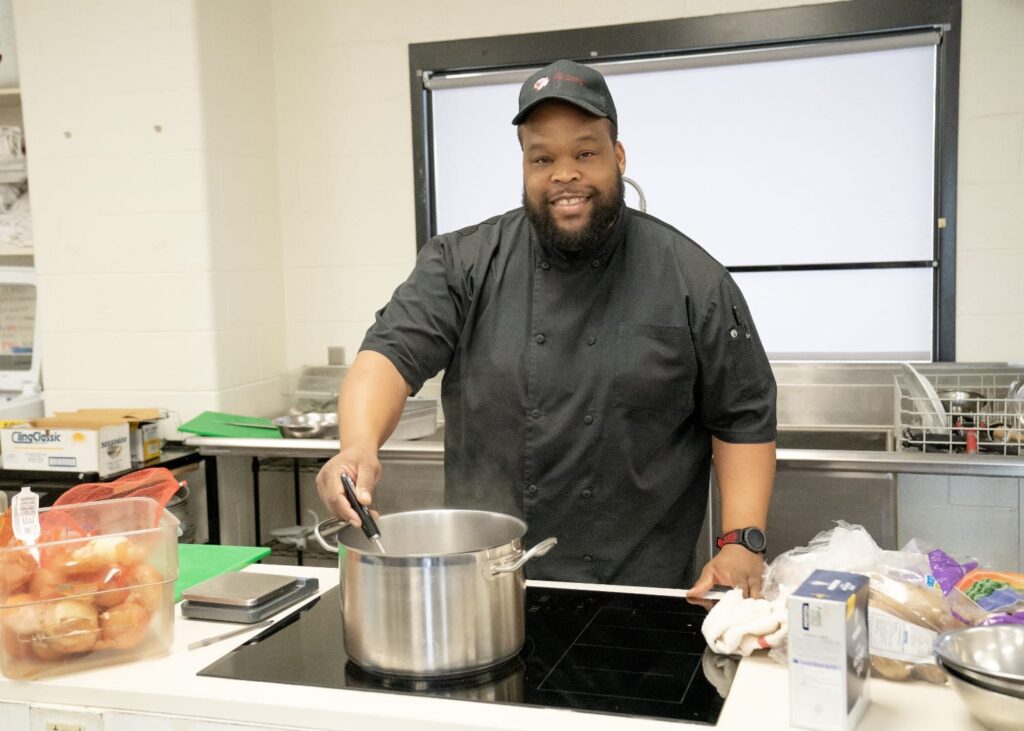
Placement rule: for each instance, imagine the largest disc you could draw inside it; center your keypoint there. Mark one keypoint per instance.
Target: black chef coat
(580, 394)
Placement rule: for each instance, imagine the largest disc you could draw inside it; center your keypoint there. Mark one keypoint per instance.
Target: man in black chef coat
(595, 360)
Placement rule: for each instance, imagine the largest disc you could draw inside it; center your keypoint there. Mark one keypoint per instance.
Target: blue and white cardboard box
(828, 651)
(62, 444)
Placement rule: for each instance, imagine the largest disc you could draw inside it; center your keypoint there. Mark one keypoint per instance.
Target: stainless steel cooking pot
(448, 598)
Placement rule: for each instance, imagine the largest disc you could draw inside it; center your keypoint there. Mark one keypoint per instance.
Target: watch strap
(725, 539)
(739, 537)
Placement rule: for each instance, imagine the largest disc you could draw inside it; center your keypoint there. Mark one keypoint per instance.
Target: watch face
(754, 539)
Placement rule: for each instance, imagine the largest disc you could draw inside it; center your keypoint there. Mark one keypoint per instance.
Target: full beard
(573, 243)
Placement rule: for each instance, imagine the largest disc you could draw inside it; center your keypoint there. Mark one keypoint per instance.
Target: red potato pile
(67, 599)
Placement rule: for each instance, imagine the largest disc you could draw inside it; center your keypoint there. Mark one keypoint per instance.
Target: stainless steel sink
(869, 440)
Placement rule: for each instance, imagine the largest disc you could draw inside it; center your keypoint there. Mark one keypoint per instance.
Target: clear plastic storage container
(97, 589)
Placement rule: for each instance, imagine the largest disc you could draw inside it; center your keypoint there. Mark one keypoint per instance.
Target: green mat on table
(199, 562)
(217, 424)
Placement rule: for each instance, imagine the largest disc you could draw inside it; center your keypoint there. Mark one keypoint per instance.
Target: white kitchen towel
(738, 626)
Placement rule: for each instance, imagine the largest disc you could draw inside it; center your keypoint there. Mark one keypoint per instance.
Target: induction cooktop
(596, 651)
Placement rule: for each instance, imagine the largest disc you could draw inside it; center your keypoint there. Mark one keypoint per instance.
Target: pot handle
(536, 552)
(332, 525)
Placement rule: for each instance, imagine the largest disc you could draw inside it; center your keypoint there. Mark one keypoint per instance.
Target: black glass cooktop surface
(594, 651)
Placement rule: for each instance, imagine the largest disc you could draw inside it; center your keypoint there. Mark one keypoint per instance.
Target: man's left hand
(733, 566)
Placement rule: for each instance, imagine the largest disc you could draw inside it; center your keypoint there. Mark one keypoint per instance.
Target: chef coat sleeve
(737, 385)
(418, 329)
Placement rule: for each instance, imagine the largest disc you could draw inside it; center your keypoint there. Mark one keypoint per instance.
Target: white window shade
(814, 160)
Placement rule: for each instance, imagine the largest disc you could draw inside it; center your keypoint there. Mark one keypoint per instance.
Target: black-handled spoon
(369, 527)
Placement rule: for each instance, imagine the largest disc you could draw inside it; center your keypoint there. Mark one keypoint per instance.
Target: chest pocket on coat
(655, 368)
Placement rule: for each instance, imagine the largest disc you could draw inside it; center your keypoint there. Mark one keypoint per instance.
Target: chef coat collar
(595, 257)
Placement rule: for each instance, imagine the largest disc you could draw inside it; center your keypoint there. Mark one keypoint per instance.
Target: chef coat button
(535, 413)
(540, 339)
(588, 419)
(596, 263)
(545, 265)
(591, 340)
(587, 493)
(532, 489)
(587, 557)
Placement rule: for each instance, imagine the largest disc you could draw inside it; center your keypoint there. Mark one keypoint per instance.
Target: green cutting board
(199, 562)
(217, 424)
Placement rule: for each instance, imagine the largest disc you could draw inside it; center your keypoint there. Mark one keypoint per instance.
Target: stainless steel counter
(432, 449)
(822, 406)
(838, 458)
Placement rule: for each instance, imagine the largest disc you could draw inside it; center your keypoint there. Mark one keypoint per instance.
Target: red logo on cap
(540, 83)
(559, 76)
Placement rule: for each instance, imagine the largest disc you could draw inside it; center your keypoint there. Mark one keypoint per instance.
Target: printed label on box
(104, 450)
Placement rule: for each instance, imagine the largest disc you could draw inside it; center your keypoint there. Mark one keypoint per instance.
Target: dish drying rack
(988, 422)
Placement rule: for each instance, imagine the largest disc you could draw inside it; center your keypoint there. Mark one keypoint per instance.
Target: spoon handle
(369, 527)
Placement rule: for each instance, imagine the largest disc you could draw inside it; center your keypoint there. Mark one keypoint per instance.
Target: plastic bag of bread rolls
(906, 605)
(903, 621)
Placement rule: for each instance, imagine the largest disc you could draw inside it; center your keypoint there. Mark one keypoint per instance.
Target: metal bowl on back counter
(308, 426)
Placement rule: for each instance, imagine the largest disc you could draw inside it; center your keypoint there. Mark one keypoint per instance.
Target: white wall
(348, 221)
(152, 166)
(236, 65)
(272, 214)
(990, 183)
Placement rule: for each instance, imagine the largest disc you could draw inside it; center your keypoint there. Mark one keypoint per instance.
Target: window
(814, 170)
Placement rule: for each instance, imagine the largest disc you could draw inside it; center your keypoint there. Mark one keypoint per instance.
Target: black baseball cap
(571, 82)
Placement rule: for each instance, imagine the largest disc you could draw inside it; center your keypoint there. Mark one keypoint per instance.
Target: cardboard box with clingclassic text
(68, 444)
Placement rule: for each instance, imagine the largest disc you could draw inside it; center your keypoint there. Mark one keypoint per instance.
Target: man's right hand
(363, 467)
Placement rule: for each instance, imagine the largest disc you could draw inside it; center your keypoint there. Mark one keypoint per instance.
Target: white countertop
(169, 685)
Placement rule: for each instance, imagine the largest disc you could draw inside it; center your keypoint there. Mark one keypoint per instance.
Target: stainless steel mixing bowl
(308, 426)
(995, 710)
(995, 652)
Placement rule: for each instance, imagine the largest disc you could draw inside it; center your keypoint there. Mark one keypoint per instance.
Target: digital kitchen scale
(603, 652)
(245, 596)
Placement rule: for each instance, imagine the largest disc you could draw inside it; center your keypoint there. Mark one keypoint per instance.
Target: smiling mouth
(570, 202)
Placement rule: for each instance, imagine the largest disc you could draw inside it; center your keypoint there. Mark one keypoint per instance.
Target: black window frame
(729, 31)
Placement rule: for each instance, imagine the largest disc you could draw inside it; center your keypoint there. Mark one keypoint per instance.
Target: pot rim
(434, 554)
